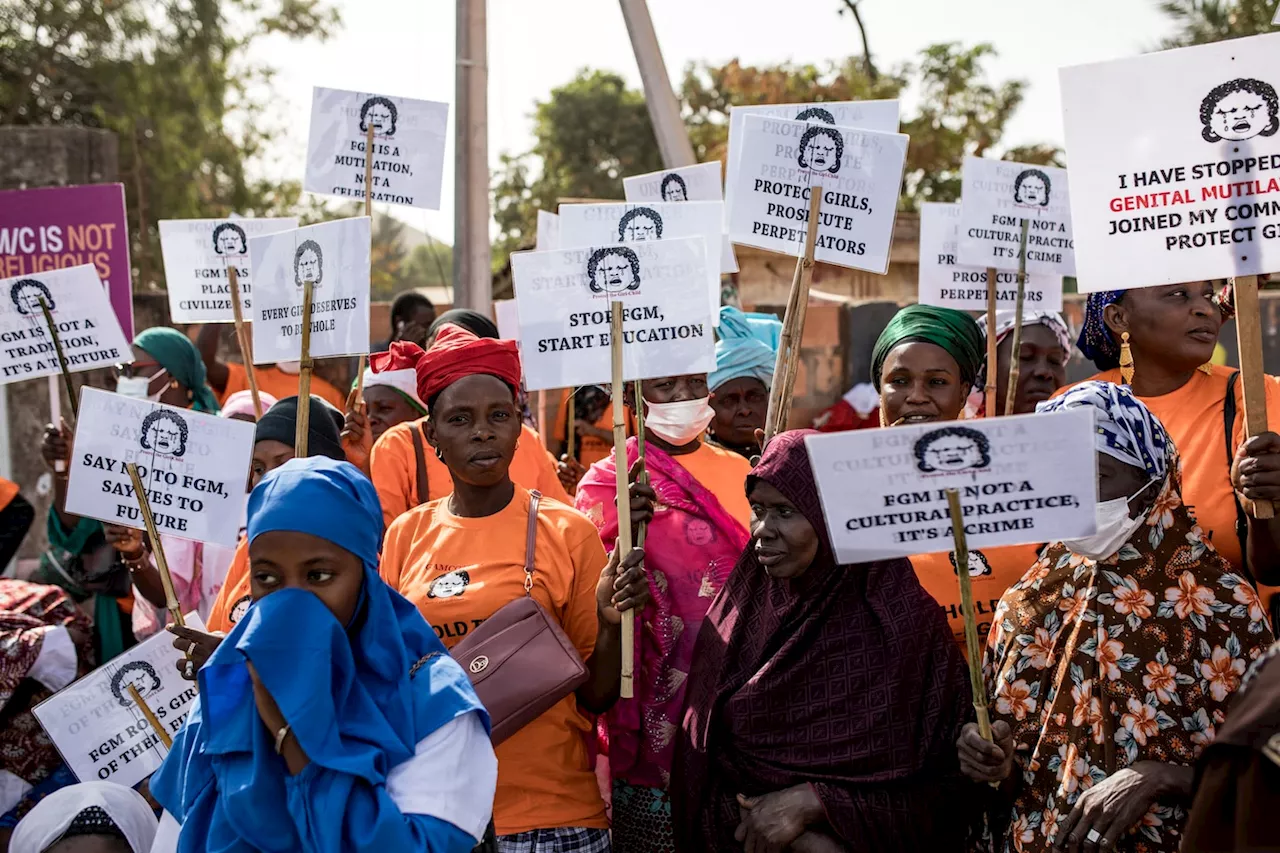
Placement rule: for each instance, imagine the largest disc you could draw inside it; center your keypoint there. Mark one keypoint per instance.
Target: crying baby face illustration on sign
(613, 270)
(1031, 188)
(952, 449)
(308, 264)
(380, 114)
(1240, 109)
(26, 295)
(229, 240)
(165, 432)
(821, 150)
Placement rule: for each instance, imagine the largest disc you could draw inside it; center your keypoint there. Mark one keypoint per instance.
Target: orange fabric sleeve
(8, 491)
(394, 471)
(234, 587)
(394, 544)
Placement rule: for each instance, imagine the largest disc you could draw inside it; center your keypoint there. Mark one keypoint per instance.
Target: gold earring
(1126, 359)
(884, 422)
(1206, 368)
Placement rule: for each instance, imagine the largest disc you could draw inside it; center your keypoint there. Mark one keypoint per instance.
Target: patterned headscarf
(1126, 429)
(1096, 341)
(948, 328)
(1005, 321)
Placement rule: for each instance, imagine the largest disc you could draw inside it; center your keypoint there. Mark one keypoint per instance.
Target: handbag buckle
(478, 664)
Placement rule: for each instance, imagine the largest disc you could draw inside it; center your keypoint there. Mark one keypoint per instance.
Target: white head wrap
(405, 381)
(52, 816)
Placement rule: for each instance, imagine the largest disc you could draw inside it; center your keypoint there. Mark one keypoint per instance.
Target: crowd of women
(782, 701)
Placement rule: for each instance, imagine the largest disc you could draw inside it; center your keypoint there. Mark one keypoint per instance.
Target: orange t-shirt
(458, 572)
(394, 470)
(8, 491)
(724, 474)
(233, 599)
(590, 449)
(279, 384)
(991, 572)
(1193, 416)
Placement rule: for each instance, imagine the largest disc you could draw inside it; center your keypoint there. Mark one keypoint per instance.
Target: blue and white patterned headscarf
(1096, 341)
(1126, 429)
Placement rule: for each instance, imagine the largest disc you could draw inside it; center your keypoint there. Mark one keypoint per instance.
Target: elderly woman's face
(386, 407)
(740, 406)
(1240, 115)
(782, 539)
(1042, 369)
(920, 383)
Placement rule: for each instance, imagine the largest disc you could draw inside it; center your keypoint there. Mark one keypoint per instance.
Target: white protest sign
(563, 301)
(87, 327)
(996, 196)
(600, 224)
(860, 172)
(102, 734)
(504, 312)
(1023, 480)
(334, 257)
(683, 183)
(193, 465)
(948, 284)
(197, 254)
(548, 236)
(1175, 164)
(408, 146)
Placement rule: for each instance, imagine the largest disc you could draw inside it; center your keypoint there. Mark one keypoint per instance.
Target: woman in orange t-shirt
(1169, 333)
(461, 558)
(924, 364)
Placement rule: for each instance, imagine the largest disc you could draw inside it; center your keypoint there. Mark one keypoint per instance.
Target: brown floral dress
(1098, 665)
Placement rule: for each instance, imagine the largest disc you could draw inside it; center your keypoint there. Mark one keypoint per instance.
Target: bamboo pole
(62, 359)
(157, 547)
(787, 364)
(1252, 377)
(1015, 343)
(570, 416)
(989, 392)
(368, 172)
(242, 338)
(623, 547)
(644, 472)
(303, 428)
(970, 619)
(151, 717)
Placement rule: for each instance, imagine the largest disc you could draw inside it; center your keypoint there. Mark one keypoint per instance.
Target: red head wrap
(456, 354)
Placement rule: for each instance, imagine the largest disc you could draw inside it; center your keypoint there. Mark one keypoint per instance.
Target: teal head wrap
(948, 328)
(180, 357)
(748, 346)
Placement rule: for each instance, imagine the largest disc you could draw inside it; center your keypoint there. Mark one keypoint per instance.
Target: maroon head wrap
(456, 354)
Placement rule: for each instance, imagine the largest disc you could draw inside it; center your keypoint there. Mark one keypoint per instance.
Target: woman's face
(1042, 369)
(268, 455)
(740, 406)
(1117, 480)
(920, 383)
(286, 559)
(145, 365)
(1176, 325)
(782, 539)
(475, 424)
(675, 389)
(386, 408)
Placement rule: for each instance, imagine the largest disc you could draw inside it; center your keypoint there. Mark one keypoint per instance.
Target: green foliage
(172, 79)
(1204, 21)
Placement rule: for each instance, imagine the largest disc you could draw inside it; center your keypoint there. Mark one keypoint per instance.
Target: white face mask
(679, 423)
(136, 387)
(293, 368)
(1114, 529)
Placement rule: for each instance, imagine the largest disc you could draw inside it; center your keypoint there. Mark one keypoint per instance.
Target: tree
(1204, 21)
(173, 80)
(588, 135)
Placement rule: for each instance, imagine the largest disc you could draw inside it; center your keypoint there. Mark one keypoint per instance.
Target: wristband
(280, 736)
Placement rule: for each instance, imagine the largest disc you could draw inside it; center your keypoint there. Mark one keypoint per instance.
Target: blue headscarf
(748, 346)
(1126, 429)
(1096, 341)
(359, 698)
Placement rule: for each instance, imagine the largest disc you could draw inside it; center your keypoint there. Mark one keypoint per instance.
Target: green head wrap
(954, 331)
(180, 357)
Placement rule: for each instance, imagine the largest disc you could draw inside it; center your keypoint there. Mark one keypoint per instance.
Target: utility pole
(664, 109)
(472, 282)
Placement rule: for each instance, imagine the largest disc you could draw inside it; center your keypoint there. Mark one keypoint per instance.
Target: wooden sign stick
(368, 172)
(623, 547)
(989, 392)
(157, 547)
(970, 619)
(570, 417)
(1015, 344)
(62, 359)
(788, 362)
(303, 428)
(242, 338)
(644, 473)
(1252, 378)
(151, 717)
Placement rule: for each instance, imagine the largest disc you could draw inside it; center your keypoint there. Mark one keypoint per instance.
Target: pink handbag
(520, 661)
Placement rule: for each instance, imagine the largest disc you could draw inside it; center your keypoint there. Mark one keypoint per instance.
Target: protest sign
(563, 297)
(1175, 164)
(55, 227)
(504, 311)
(197, 253)
(194, 465)
(548, 236)
(860, 172)
(408, 147)
(996, 196)
(88, 330)
(945, 282)
(601, 224)
(1022, 479)
(103, 735)
(334, 257)
(683, 183)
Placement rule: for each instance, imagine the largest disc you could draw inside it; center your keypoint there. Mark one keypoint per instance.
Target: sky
(407, 48)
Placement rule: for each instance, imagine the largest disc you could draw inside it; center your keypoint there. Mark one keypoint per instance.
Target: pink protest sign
(55, 227)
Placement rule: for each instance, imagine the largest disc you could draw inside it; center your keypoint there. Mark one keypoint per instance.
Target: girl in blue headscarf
(331, 718)
(746, 350)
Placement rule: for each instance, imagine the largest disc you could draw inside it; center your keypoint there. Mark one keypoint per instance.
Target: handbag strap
(531, 540)
(420, 455)
(1229, 408)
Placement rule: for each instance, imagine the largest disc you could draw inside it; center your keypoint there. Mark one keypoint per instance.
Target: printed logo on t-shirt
(239, 609)
(450, 585)
(978, 565)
